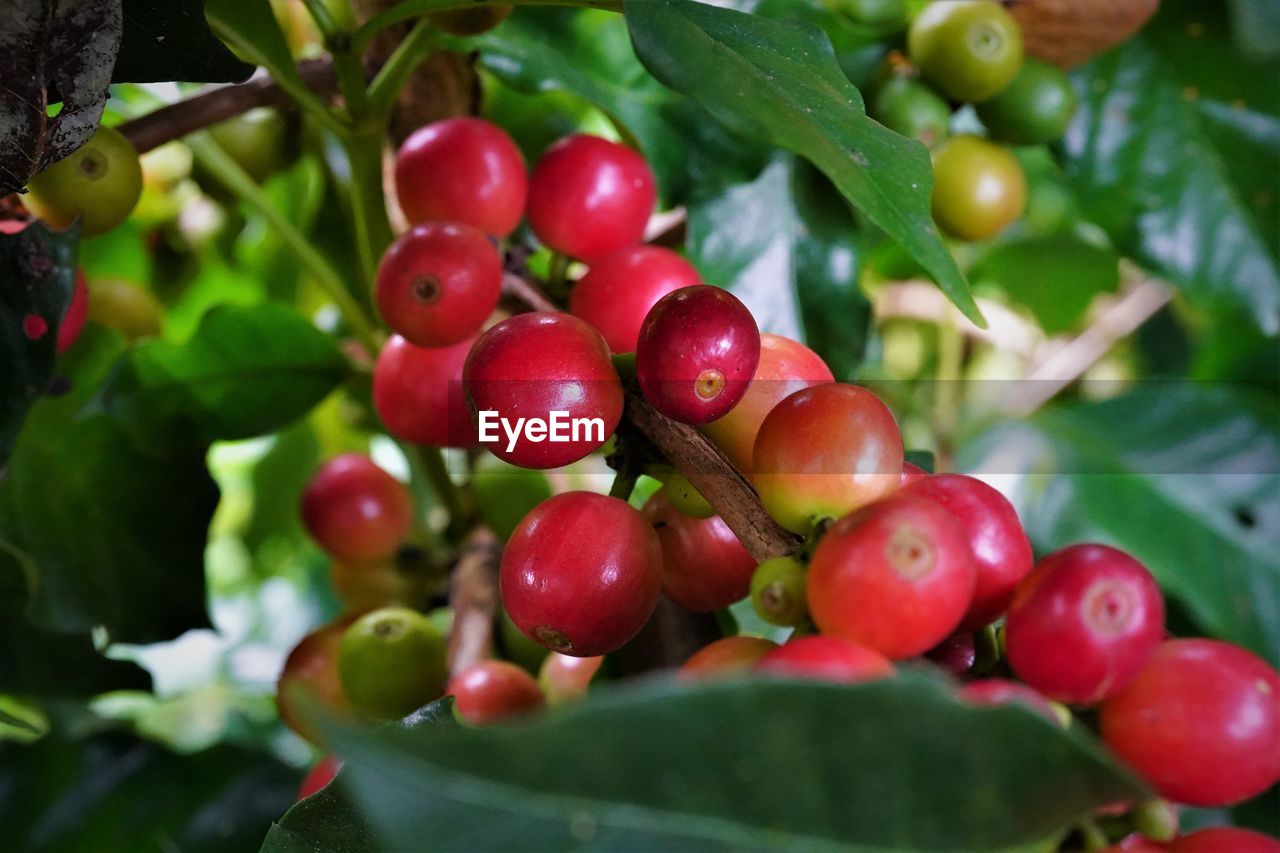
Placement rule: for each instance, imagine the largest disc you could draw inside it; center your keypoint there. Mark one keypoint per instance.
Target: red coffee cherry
(494, 691)
(895, 576)
(1224, 839)
(438, 283)
(1000, 691)
(77, 312)
(462, 170)
(419, 396)
(825, 451)
(589, 196)
(1083, 623)
(310, 679)
(698, 350)
(1200, 722)
(617, 292)
(912, 472)
(355, 510)
(1001, 550)
(786, 366)
(564, 678)
(704, 566)
(531, 366)
(956, 654)
(582, 573)
(320, 774)
(825, 659)
(725, 658)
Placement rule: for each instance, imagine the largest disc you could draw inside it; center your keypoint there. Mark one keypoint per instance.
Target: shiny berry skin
(73, 321)
(825, 451)
(699, 347)
(589, 197)
(1000, 691)
(309, 681)
(1001, 550)
(912, 109)
(534, 364)
(618, 290)
(418, 394)
(438, 283)
(825, 658)
(778, 592)
(392, 662)
(1200, 722)
(355, 510)
(725, 658)
(912, 472)
(786, 366)
(494, 691)
(564, 678)
(895, 576)
(704, 566)
(956, 654)
(582, 574)
(99, 183)
(1083, 623)
(320, 775)
(979, 188)
(1034, 109)
(1224, 839)
(462, 170)
(969, 49)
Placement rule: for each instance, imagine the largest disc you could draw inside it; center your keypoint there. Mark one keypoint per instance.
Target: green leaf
(744, 766)
(37, 276)
(778, 81)
(1180, 474)
(246, 372)
(168, 40)
(1055, 277)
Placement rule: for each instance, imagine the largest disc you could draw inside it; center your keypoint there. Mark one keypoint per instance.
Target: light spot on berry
(911, 553)
(709, 384)
(1109, 607)
(34, 327)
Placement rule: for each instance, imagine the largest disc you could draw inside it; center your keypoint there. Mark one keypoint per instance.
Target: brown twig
(526, 293)
(475, 599)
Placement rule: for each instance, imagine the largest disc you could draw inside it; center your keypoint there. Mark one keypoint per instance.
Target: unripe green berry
(685, 498)
(778, 591)
(392, 662)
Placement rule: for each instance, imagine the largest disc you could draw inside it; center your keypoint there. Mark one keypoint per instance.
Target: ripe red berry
(786, 366)
(704, 566)
(531, 366)
(912, 472)
(582, 573)
(355, 510)
(77, 312)
(825, 659)
(1000, 691)
(1083, 623)
(1224, 839)
(494, 691)
(699, 347)
(725, 658)
(825, 451)
(419, 396)
(320, 774)
(620, 288)
(462, 170)
(956, 654)
(1001, 550)
(589, 196)
(564, 678)
(895, 576)
(310, 681)
(438, 283)
(1201, 723)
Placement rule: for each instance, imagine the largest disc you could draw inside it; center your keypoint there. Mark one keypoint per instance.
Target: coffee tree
(639, 424)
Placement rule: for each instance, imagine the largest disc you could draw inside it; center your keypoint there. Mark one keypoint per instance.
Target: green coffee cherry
(505, 494)
(391, 662)
(778, 592)
(912, 109)
(1035, 108)
(685, 498)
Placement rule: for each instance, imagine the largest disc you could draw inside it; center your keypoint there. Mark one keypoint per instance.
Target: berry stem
(558, 277)
(407, 56)
(474, 597)
(445, 489)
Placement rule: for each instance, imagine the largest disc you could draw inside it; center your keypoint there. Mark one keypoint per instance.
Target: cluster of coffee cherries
(970, 52)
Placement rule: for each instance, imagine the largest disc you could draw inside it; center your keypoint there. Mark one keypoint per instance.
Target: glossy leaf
(170, 40)
(777, 81)
(741, 766)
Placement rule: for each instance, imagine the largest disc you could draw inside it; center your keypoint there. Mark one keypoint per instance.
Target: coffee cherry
(956, 654)
(895, 576)
(1135, 842)
(825, 659)
(912, 109)
(534, 364)
(582, 574)
(979, 187)
(618, 290)
(1224, 839)
(1200, 722)
(1034, 109)
(255, 140)
(320, 775)
(1000, 548)
(912, 472)
(392, 662)
(825, 451)
(704, 566)
(355, 510)
(418, 394)
(778, 592)
(494, 691)
(77, 312)
(99, 183)
(589, 197)
(725, 658)
(130, 309)
(438, 283)
(1083, 623)
(462, 170)
(364, 586)
(786, 366)
(970, 49)
(1000, 691)
(471, 22)
(684, 497)
(309, 682)
(565, 679)
(699, 348)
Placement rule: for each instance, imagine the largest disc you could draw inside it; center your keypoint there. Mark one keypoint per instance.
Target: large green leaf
(1181, 474)
(778, 81)
(1055, 277)
(246, 372)
(741, 766)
